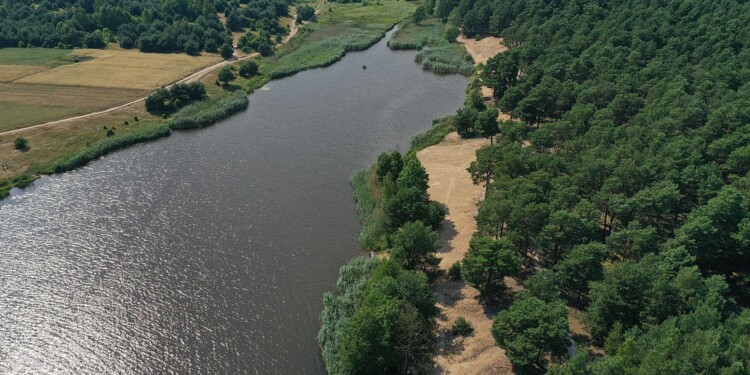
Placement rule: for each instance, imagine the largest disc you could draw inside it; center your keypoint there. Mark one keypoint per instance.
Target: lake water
(208, 252)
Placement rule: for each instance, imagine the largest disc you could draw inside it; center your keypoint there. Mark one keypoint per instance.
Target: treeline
(382, 318)
(189, 26)
(621, 183)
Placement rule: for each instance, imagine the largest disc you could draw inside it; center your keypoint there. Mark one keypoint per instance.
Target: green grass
(18, 115)
(436, 53)
(446, 59)
(255, 82)
(108, 145)
(367, 192)
(209, 111)
(33, 56)
(411, 36)
(348, 27)
(440, 128)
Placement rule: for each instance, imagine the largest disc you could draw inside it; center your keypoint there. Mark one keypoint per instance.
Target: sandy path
(451, 185)
(191, 78)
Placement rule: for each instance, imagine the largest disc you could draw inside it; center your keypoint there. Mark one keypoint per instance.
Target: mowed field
(39, 85)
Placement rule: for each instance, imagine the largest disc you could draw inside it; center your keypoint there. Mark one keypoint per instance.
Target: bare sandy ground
(451, 185)
(482, 50)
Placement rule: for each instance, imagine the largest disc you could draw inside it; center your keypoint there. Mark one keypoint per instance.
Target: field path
(451, 185)
(191, 78)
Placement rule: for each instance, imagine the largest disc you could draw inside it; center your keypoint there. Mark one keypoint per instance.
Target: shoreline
(157, 130)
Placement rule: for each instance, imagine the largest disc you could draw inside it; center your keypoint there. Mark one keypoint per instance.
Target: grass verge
(108, 145)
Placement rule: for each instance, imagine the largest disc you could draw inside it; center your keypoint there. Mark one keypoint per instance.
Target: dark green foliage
(94, 40)
(440, 128)
(408, 204)
(697, 343)
(419, 15)
(159, 101)
(414, 247)
(413, 175)
(389, 164)
(578, 364)
(166, 101)
(584, 264)
(451, 33)
(248, 69)
(202, 114)
(543, 284)
(21, 144)
(530, 329)
(380, 321)
(465, 120)
(226, 51)
(225, 75)
(462, 327)
(486, 124)
(261, 43)
(650, 291)
(150, 25)
(454, 272)
(108, 145)
(305, 12)
(487, 262)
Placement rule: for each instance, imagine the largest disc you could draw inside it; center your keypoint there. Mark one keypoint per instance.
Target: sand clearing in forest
(481, 50)
(451, 185)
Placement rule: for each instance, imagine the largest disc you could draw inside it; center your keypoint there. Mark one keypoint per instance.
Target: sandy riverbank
(450, 184)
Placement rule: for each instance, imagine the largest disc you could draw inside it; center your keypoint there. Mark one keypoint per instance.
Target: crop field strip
(40, 85)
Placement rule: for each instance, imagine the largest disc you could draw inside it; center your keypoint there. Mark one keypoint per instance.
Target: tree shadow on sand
(446, 233)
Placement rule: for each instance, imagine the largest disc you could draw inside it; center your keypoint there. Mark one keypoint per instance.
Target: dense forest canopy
(189, 26)
(629, 148)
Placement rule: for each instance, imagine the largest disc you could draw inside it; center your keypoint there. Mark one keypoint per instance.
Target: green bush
(21, 144)
(440, 128)
(202, 114)
(454, 272)
(462, 327)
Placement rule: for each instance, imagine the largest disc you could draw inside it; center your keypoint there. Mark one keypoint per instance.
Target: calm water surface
(208, 252)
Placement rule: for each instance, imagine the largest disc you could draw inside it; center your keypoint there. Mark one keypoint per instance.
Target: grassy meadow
(33, 56)
(26, 104)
